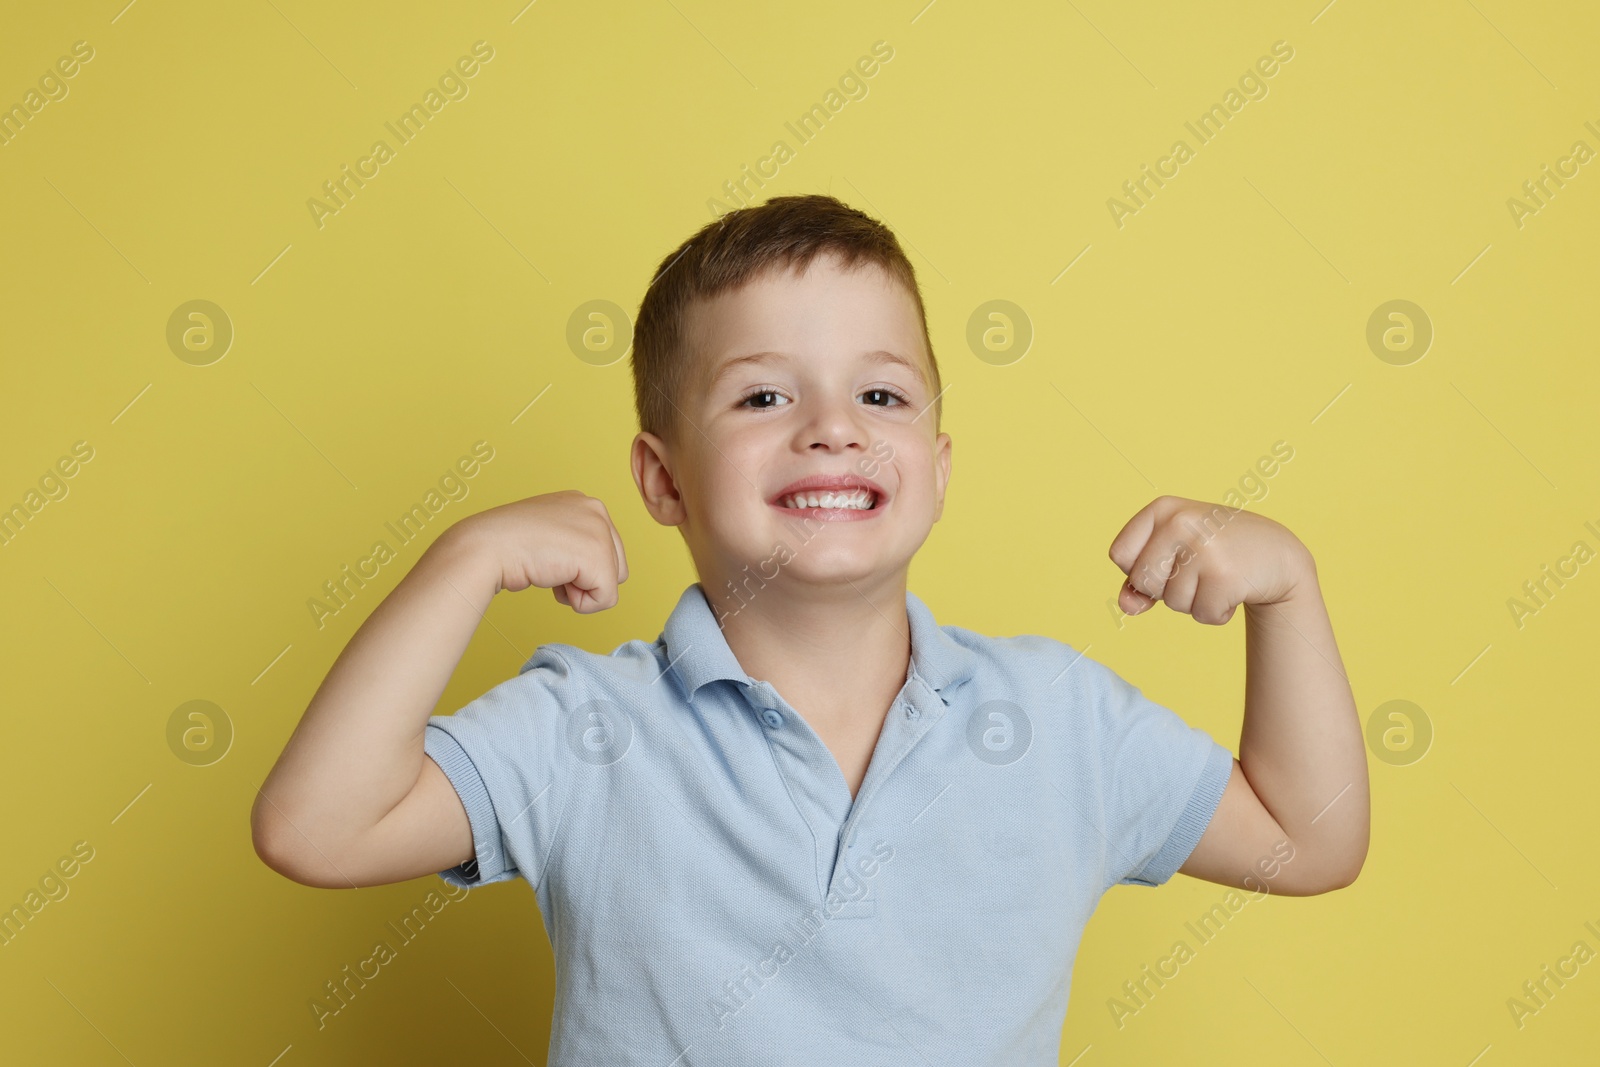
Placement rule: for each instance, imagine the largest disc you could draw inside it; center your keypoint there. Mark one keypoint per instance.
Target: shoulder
(559, 677)
(1061, 688)
(1034, 660)
(553, 685)
(635, 661)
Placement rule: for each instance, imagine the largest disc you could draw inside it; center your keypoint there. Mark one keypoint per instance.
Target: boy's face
(822, 400)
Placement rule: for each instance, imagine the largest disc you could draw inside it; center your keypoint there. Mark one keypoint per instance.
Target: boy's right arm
(354, 800)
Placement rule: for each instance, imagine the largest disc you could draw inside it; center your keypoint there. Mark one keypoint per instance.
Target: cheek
(727, 491)
(911, 461)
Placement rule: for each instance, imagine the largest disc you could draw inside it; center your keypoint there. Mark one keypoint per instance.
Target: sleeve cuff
(1192, 822)
(489, 862)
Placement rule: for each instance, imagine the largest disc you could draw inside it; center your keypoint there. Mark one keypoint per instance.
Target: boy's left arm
(1295, 816)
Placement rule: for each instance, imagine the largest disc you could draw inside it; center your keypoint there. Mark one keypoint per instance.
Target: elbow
(1319, 874)
(1348, 877)
(285, 849)
(266, 837)
(272, 838)
(1342, 877)
(1356, 860)
(273, 863)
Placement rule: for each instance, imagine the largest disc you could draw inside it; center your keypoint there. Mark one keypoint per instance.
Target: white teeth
(852, 500)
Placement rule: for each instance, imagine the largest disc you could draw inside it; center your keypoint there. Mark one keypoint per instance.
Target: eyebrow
(878, 357)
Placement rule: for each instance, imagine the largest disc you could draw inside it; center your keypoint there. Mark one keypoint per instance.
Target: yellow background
(370, 353)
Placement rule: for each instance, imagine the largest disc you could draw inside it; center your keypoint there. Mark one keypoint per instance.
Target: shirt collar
(698, 653)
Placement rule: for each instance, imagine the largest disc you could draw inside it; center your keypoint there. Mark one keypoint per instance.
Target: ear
(651, 460)
(941, 459)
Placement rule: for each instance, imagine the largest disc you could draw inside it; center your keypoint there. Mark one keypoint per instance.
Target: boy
(807, 824)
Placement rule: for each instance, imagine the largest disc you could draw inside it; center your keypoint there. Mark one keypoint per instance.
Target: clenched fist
(562, 541)
(1206, 559)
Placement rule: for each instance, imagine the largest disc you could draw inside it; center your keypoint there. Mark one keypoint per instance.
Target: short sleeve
(501, 753)
(1161, 780)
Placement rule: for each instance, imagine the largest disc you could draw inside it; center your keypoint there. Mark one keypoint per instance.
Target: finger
(622, 557)
(584, 600)
(599, 578)
(587, 601)
(1179, 592)
(1131, 539)
(579, 591)
(1212, 604)
(616, 567)
(1156, 564)
(594, 586)
(1131, 600)
(1135, 534)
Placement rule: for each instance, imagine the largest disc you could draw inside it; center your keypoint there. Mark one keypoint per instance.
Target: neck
(835, 653)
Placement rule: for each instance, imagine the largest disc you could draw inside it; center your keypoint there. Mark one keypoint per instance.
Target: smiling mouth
(830, 500)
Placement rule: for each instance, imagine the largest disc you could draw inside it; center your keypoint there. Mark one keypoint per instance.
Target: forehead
(825, 310)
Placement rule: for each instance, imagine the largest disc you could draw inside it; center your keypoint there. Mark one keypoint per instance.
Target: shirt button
(772, 717)
(911, 711)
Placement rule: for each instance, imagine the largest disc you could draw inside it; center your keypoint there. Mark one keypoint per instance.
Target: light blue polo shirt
(713, 895)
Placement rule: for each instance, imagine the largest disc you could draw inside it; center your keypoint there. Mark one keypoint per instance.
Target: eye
(762, 393)
(884, 392)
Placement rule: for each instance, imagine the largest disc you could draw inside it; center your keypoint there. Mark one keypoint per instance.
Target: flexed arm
(1297, 803)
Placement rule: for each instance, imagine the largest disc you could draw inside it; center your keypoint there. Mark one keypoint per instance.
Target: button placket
(916, 718)
(801, 757)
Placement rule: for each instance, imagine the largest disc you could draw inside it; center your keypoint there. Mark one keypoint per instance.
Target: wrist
(1294, 583)
(463, 556)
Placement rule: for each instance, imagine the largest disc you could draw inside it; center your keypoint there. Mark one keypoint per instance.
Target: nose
(834, 425)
